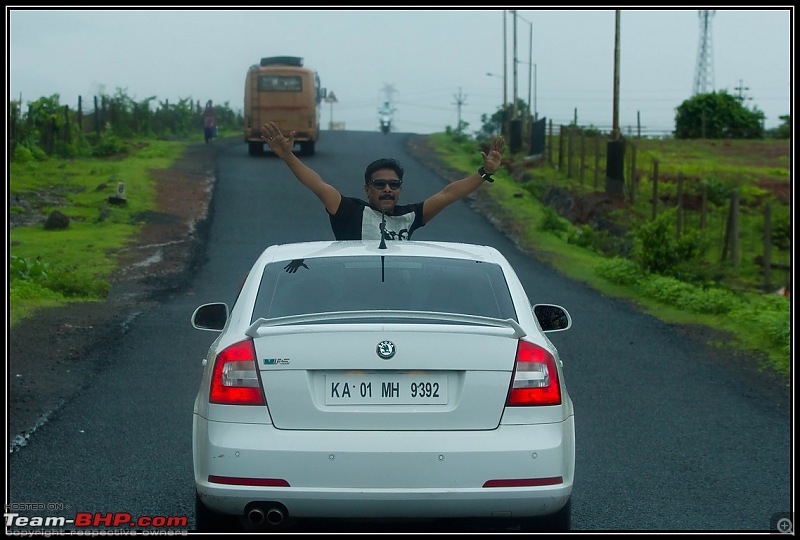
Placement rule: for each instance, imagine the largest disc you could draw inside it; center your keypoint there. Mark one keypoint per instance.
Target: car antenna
(383, 229)
(383, 244)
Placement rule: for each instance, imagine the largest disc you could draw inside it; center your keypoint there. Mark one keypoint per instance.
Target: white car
(397, 381)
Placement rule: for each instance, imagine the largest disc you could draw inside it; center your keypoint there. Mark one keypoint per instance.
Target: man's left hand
(493, 160)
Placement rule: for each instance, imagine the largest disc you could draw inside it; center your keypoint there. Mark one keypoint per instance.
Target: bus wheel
(255, 148)
(307, 148)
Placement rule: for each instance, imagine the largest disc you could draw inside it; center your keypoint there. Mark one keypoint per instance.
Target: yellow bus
(281, 90)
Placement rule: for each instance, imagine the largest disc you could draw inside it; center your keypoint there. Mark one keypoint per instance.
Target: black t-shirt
(356, 220)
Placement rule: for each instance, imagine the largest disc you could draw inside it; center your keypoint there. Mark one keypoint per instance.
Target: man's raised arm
(461, 188)
(282, 146)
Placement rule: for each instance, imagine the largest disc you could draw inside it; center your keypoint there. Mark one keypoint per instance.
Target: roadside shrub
(674, 292)
(25, 269)
(26, 154)
(109, 144)
(711, 301)
(20, 290)
(583, 236)
(79, 148)
(74, 283)
(716, 192)
(553, 223)
(657, 251)
(781, 235)
(620, 271)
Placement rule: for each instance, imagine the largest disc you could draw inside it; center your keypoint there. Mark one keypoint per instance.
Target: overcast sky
(425, 61)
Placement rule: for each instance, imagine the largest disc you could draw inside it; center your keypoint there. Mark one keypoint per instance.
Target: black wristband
(486, 176)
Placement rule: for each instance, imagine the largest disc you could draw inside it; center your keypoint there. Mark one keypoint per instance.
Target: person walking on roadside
(209, 121)
(353, 218)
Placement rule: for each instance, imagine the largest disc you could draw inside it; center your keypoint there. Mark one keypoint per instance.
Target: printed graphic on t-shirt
(396, 228)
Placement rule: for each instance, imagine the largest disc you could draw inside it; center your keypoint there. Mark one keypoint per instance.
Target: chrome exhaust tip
(256, 516)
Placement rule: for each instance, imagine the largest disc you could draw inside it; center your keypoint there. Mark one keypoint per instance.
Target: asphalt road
(668, 438)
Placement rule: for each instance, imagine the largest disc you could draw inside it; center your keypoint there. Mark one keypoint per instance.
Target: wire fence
(748, 225)
(58, 130)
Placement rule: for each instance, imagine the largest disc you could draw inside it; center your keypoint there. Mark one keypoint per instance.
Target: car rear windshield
(330, 284)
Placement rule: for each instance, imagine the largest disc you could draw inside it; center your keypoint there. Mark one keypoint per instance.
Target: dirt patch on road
(48, 359)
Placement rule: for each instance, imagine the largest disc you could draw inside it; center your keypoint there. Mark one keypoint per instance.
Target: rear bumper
(334, 474)
(254, 135)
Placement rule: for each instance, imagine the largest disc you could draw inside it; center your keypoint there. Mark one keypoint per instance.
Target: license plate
(386, 389)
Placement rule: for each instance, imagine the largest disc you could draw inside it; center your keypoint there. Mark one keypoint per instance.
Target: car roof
(349, 248)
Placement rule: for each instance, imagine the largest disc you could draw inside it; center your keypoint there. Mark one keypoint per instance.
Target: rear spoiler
(254, 329)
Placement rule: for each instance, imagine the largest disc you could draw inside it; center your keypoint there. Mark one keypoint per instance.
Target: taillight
(235, 377)
(535, 380)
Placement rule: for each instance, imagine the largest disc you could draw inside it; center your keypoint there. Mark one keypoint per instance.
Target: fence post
(615, 168)
(703, 206)
(561, 148)
(679, 212)
(66, 124)
(96, 116)
(596, 161)
(569, 151)
(634, 179)
(732, 231)
(550, 145)
(583, 156)
(655, 190)
(51, 129)
(767, 262)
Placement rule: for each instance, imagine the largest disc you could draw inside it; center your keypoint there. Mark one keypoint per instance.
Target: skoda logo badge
(385, 349)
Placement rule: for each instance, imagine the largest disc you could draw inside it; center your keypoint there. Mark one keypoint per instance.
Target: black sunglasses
(381, 184)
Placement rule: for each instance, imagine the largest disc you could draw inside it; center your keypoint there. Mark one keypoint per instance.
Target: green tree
(717, 115)
(494, 125)
(491, 125)
(783, 131)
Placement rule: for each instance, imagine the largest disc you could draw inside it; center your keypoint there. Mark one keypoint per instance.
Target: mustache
(386, 197)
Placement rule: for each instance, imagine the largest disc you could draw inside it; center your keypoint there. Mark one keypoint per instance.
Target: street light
(531, 65)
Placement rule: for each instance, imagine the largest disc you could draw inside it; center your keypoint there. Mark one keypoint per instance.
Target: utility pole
(515, 125)
(615, 148)
(514, 104)
(615, 124)
(389, 90)
(505, 67)
(461, 100)
(504, 126)
(740, 91)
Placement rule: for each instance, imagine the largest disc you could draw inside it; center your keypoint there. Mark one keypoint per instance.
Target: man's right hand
(281, 144)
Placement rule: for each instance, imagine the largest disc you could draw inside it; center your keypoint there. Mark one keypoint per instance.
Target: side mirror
(552, 318)
(212, 317)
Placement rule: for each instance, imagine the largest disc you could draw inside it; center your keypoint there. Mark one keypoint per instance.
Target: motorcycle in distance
(385, 111)
(386, 123)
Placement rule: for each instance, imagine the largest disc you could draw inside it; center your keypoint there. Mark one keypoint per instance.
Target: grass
(79, 260)
(759, 323)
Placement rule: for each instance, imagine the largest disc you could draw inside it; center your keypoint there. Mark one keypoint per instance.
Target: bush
(26, 154)
(620, 271)
(553, 223)
(26, 270)
(75, 283)
(108, 144)
(657, 251)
